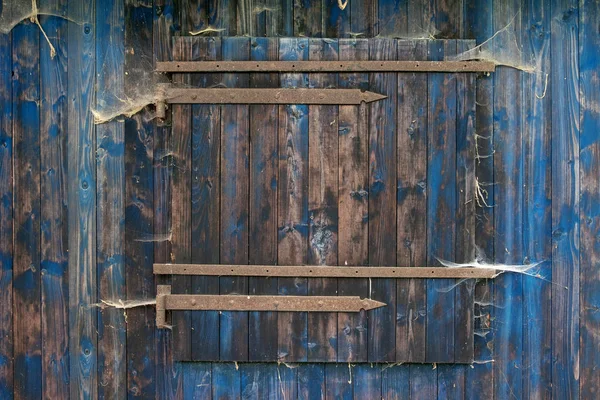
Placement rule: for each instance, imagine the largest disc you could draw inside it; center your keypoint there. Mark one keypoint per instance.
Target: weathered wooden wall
(76, 197)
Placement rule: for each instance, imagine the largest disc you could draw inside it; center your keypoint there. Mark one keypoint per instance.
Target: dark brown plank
(353, 239)
(412, 204)
(235, 173)
(308, 18)
(292, 204)
(181, 204)
(323, 203)
(263, 203)
(206, 200)
(54, 232)
(382, 201)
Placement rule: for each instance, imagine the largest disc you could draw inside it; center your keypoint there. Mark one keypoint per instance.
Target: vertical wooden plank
(366, 381)
(363, 14)
(412, 204)
(420, 24)
(537, 202)
(338, 381)
(197, 380)
(441, 204)
(226, 381)
(222, 15)
(447, 18)
(139, 197)
(353, 200)
(293, 204)
(395, 382)
(54, 233)
(26, 215)
(6, 218)
(565, 112)
(589, 206)
(259, 381)
(323, 203)
(82, 203)
(235, 173)
(168, 374)
(193, 16)
(110, 149)
(382, 202)
(508, 223)
(288, 381)
(423, 382)
(308, 18)
(206, 201)
(479, 379)
(392, 18)
(336, 18)
(263, 203)
(311, 381)
(181, 204)
(465, 211)
(451, 381)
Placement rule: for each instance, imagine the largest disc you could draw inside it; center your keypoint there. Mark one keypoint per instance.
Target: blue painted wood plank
(26, 213)
(411, 247)
(110, 162)
(392, 18)
(197, 381)
(565, 199)
(366, 381)
(508, 216)
(589, 206)
(82, 204)
(441, 204)
(395, 382)
(479, 25)
(288, 381)
(263, 203)
(353, 200)
(363, 14)
(311, 381)
(168, 375)
(537, 202)
(338, 381)
(323, 203)
(226, 381)
(206, 192)
(235, 173)
(337, 18)
(6, 220)
(447, 19)
(451, 381)
(423, 382)
(293, 203)
(382, 202)
(260, 381)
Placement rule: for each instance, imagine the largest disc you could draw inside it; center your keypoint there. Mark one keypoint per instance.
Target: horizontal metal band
(270, 96)
(323, 271)
(325, 66)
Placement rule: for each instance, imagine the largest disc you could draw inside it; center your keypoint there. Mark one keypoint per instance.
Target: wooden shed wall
(75, 197)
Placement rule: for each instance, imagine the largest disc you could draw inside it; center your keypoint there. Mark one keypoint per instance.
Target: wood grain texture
(382, 201)
(82, 204)
(110, 178)
(311, 381)
(206, 200)
(197, 379)
(336, 21)
(27, 328)
(537, 201)
(441, 204)
(139, 198)
(226, 381)
(193, 16)
(353, 203)
(508, 219)
(411, 196)
(263, 202)
(423, 382)
(293, 203)
(392, 18)
(395, 381)
(338, 381)
(323, 203)
(565, 110)
(222, 15)
(53, 224)
(235, 174)
(181, 204)
(308, 18)
(447, 19)
(589, 199)
(366, 381)
(6, 218)
(363, 14)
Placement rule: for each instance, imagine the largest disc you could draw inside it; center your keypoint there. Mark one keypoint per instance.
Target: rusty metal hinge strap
(324, 66)
(323, 271)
